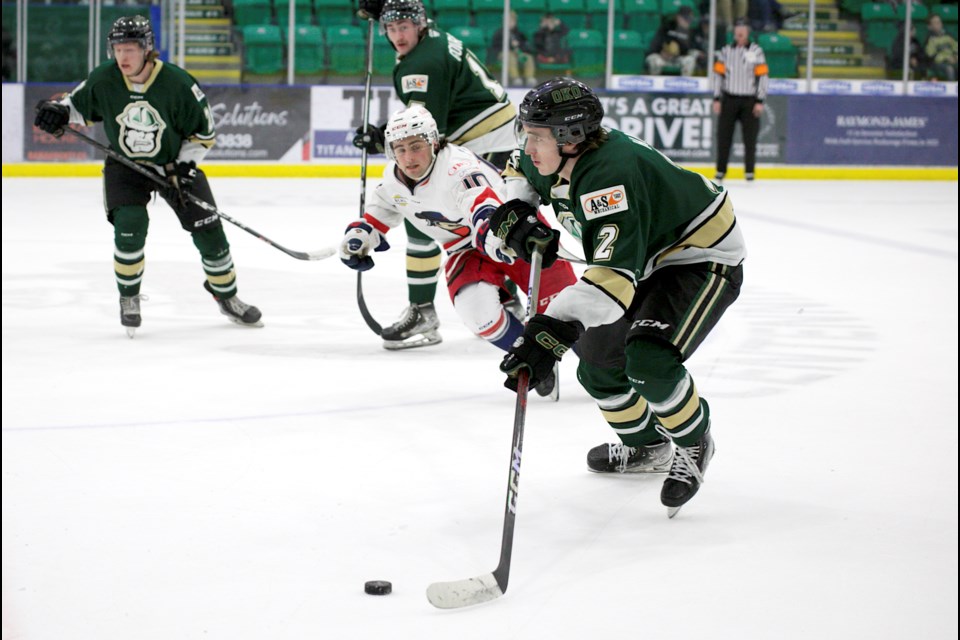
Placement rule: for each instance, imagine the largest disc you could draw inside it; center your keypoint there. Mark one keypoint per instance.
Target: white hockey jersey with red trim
(460, 190)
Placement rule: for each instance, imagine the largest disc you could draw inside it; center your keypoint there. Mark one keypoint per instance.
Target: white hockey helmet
(412, 121)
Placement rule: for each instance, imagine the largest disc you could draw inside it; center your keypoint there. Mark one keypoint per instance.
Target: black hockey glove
(373, 140)
(181, 176)
(52, 117)
(370, 9)
(516, 223)
(543, 343)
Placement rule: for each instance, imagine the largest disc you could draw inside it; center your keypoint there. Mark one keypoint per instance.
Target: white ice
(209, 481)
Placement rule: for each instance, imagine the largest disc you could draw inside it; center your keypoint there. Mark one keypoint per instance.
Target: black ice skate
(549, 387)
(417, 327)
(649, 458)
(130, 313)
(686, 473)
(235, 309)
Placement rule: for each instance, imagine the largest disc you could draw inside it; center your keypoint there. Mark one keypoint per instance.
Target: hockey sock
(217, 261)
(625, 410)
(129, 237)
(655, 371)
(423, 265)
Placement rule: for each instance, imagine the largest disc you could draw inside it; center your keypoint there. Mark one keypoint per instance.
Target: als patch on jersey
(604, 202)
(414, 83)
(197, 93)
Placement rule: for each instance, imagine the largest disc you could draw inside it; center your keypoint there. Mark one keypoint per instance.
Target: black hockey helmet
(411, 10)
(130, 29)
(569, 108)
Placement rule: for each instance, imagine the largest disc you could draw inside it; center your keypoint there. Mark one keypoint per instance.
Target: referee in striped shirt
(740, 87)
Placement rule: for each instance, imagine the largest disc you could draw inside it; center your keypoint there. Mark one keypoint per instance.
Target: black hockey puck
(378, 587)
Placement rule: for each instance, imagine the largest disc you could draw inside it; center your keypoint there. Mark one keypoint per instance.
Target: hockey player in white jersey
(448, 193)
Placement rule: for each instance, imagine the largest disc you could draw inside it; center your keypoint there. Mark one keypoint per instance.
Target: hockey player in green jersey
(472, 110)
(664, 255)
(153, 113)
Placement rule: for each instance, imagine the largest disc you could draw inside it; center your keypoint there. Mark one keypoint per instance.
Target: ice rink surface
(209, 481)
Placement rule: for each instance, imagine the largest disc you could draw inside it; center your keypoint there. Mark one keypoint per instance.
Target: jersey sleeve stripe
(707, 233)
(485, 122)
(615, 285)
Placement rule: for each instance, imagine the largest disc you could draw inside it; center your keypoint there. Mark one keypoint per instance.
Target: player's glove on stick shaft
(52, 117)
(516, 223)
(370, 9)
(487, 243)
(543, 343)
(358, 241)
(182, 176)
(373, 140)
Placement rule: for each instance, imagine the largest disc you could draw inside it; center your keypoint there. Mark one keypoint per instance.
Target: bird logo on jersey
(436, 219)
(141, 129)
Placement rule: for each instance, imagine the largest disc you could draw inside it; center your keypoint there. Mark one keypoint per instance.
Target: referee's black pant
(735, 109)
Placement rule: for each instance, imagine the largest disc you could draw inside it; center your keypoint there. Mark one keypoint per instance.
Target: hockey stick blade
(489, 586)
(463, 593)
(320, 254)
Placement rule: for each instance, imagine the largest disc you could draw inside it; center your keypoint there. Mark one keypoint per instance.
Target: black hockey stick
(320, 254)
(367, 316)
(487, 586)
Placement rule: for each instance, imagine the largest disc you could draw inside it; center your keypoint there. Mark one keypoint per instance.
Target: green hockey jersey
(151, 122)
(454, 86)
(634, 211)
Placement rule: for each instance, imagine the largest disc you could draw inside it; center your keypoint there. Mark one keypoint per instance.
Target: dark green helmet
(566, 106)
(130, 29)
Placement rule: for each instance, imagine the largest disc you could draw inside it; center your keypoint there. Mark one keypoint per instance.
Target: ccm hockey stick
(367, 316)
(487, 586)
(320, 254)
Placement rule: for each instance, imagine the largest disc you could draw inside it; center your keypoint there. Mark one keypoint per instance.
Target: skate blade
(422, 340)
(672, 511)
(131, 331)
(241, 323)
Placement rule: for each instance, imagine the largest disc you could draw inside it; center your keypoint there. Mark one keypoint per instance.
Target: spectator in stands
(919, 62)
(728, 12)
(671, 45)
(941, 48)
(9, 57)
(766, 15)
(700, 43)
(521, 54)
(550, 41)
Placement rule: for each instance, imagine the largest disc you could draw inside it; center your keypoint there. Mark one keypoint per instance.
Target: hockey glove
(181, 176)
(516, 223)
(543, 343)
(490, 245)
(370, 9)
(357, 243)
(373, 140)
(52, 117)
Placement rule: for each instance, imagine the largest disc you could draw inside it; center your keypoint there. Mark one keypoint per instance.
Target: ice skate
(549, 387)
(236, 310)
(130, 313)
(417, 327)
(686, 473)
(649, 458)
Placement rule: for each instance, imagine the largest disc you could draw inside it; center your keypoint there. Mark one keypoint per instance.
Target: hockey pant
(478, 289)
(126, 194)
(633, 368)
